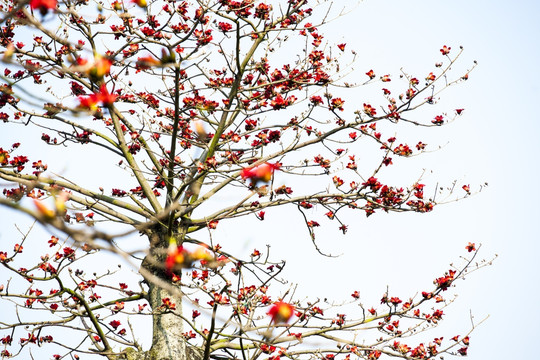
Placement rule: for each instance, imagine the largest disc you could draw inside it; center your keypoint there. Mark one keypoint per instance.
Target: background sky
(495, 141)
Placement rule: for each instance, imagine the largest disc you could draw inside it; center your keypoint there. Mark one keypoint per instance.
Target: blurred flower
(262, 172)
(43, 209)
(101, 97)
(179, 257)
(139, 3)
(281, 312)
(43, 5)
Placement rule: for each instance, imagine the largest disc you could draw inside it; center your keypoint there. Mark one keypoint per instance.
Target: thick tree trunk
(167, 339)
(168, 343)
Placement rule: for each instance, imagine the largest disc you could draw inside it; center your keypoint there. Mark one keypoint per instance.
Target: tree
(211, 119)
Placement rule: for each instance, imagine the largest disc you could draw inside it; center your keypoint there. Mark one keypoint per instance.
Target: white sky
(494, 141)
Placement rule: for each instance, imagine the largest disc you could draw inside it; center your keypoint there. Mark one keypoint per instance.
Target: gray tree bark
(168, 342)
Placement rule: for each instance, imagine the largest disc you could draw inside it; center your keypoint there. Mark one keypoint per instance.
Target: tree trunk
(168, 343)
(167, 339)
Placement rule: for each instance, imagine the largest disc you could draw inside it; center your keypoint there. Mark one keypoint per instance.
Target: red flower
(395, 300)
(168, 304)
(439, 120)
(316, 100)
(176, 257)
(337, 181)
(445, 50)
(371, 74)
(445, 281)
(341, 47)
(262, 172)
(430, 77)
(103, 97)
(471, 247)
(281, 312)
(43, 5)
(337, 103)
(369, 110)
(115, 324)
(459, 111)
(224, 26)
(385, 78)
(312, 223)
(118, 306)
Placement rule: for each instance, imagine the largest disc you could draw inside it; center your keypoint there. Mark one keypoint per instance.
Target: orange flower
(60, 202)
(176, 256)
(262, 172)
(431, 77)
(147, 62)
(43, 209)
(102, 67)
(281, 312)
(201, 254)
(95, 70)
(471, 247)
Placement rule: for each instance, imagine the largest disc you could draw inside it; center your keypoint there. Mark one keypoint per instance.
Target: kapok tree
(215, 110)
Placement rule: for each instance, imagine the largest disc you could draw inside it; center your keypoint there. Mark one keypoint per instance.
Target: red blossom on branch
(191, 127)
(471, 247)
(445, 50)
